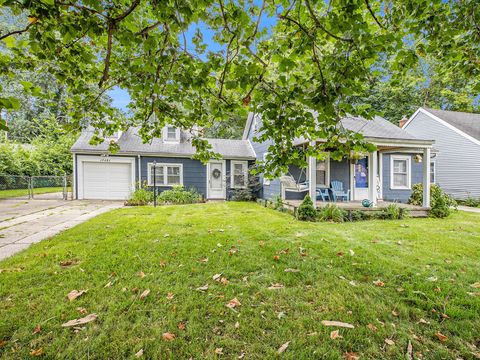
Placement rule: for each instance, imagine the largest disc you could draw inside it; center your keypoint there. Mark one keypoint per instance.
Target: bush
(332, 212)
(393, 212)
(441, 203)
(243, 195)
(306, 211)
(472, 202)
(140, 197)
(178, 195)
(278, 203)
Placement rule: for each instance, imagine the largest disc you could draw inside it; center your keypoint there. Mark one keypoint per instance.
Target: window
(171, 133)
(239, 174)
(400, 172)
(433, 172)
(322, 173)
(165, 174)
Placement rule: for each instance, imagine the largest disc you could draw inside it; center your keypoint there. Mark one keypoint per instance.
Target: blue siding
(394, 194)
(194, 172)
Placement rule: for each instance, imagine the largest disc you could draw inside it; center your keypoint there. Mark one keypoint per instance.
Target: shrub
(140, 197)
(472, 202)
(306, 211)
(278, 203)
(393, 212)
(441, 203)
(243, 195)
(332, 212)
(178, 195)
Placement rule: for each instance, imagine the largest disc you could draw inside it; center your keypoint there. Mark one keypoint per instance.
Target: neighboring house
(386, 174)
(100, 175)
(456, 164)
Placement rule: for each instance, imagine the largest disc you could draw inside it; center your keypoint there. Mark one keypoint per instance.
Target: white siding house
(456, 162)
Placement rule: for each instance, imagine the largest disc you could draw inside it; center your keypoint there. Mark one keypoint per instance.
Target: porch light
(418, 158)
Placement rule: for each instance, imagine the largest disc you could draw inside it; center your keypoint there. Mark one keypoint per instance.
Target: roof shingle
(469, 123)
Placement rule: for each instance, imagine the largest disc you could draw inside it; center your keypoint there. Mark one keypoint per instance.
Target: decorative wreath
(216, 173)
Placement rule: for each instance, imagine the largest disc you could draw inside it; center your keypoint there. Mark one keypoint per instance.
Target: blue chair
(323, 194)
(338, 192)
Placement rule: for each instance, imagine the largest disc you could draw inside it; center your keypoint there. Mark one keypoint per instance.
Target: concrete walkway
(25, 222)
(469, 209)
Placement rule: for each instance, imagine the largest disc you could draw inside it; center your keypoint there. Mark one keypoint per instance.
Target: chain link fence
(35, 187)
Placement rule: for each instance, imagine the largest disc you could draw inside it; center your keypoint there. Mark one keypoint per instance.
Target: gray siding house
(455, 166)
(100, 175)
(383, 175)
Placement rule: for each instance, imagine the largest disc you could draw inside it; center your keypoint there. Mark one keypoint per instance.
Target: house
(100, 175)
(456, 165)
(386, 174)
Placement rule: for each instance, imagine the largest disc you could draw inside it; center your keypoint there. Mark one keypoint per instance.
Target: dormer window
(171, 134)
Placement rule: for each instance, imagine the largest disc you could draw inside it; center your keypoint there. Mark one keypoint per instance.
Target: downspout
(139, 172)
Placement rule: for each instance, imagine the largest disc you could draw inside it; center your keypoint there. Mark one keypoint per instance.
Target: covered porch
(382, 177)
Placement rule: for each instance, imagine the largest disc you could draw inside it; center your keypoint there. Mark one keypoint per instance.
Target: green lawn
(5, 194)
(427, 267)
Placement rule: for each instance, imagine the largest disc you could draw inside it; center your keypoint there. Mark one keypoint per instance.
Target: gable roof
(469, 123)
(130, 142)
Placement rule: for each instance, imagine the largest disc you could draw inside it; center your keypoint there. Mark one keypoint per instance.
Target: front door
(216, 180)
(360, 181)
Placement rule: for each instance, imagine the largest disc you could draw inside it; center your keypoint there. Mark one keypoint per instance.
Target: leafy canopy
(315, 56)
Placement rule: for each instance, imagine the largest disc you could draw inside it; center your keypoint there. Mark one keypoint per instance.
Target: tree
(315, 57)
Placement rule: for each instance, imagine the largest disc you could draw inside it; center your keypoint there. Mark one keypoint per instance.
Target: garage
(111, 178)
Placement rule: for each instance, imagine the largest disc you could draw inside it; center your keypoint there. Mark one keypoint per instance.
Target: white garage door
(107, 181)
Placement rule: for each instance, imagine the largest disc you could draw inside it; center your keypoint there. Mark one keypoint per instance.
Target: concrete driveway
(25, 222)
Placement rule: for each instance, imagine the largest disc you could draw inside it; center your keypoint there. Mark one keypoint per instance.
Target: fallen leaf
(182, 325)
(219, 351)
(351, 356)
(81, 321)
(2, 343)
(395, 313)
(281, 315)
(351, 252)
(476, 285)
(241, 356)
(203, 288)
(282, 348)
(337, 323)
(66, 263)
(335, 334)
(340, 253)
(72, 295)
(409, 351)
(379, 283)
(237, 325)
(36, 330)
(423, 321)
(232, 250)
(170, 296)
(353, 283)
(233, 303)
(216, 277)
(141, 274)
(168, 336)
(144, 294)
(163, 263)
(292, 270)
(108, 284)
(389, 342)
(82, 310)
(139, 353)
(276, 286)
(38, 352)
(432, 279)
(284, 251)
(224, 281)
(441, 337)
(204, 260)
(372, 327)
(276, 258)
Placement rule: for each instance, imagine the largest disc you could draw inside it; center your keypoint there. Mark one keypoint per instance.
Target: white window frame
(266, 181)
(408, 159)
(434, 172)
(327, 171)
(165, 134)
(245, 173)
(164, 167)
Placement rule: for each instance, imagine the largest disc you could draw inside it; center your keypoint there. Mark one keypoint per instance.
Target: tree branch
(319, 24)
(16, 32)
(373, 14)
(149, 28)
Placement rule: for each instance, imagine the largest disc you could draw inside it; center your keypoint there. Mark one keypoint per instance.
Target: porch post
(426, 177)
(312, 177)
(372, 177)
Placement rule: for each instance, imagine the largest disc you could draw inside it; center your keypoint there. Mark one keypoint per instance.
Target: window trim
(265, 181)
(165, 176)
(327, 172)
(165, 134)
(245, 173)
(408, 159)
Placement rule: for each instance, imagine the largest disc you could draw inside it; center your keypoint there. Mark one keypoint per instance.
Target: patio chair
(323, 194)
(289, 184)
(338, 192)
